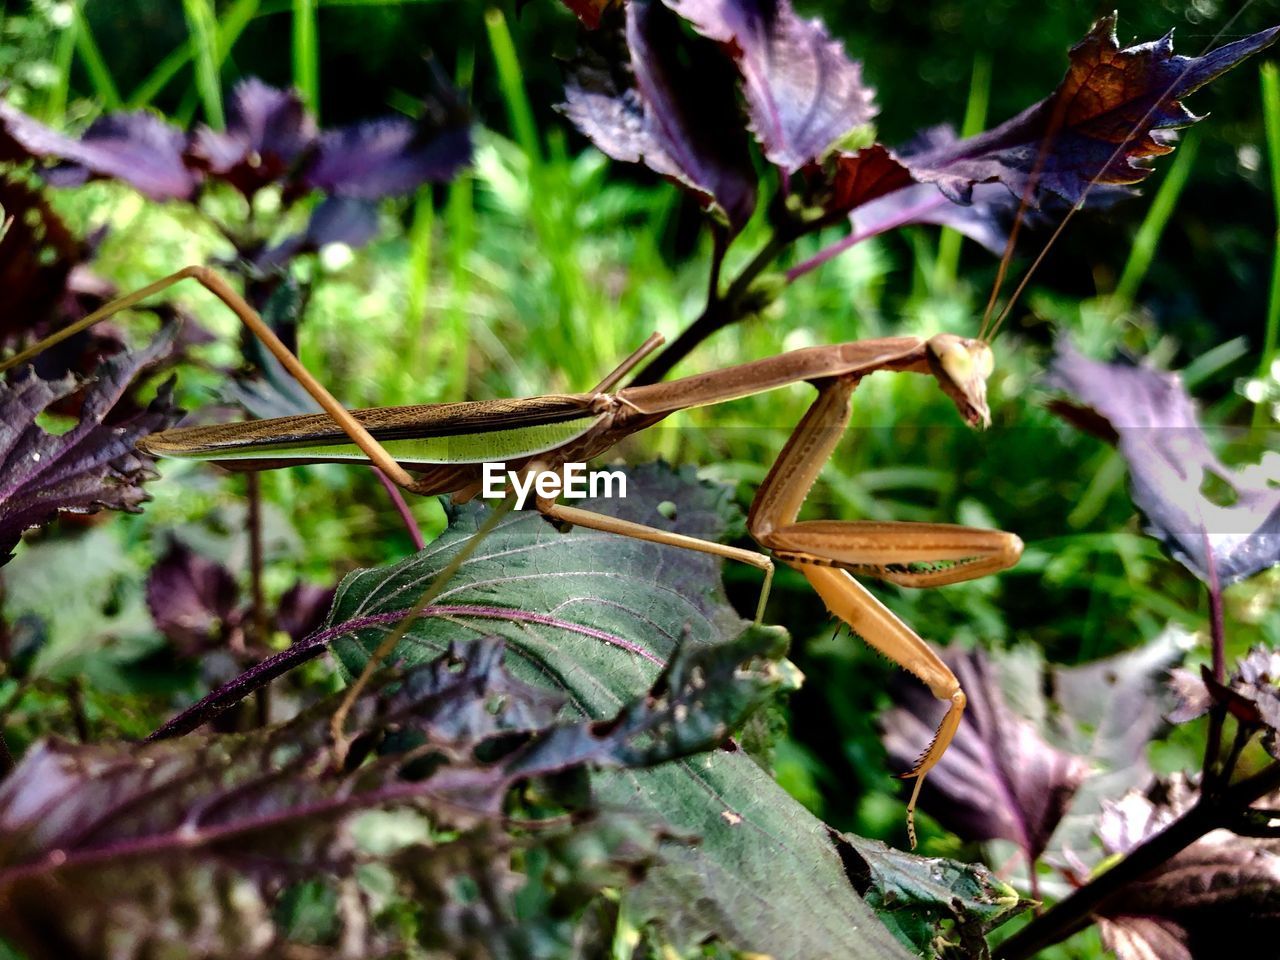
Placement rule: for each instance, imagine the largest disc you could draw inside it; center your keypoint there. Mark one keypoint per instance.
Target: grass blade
(511, 80)
(306, 60)
(202, 25)
(1271, 121)
(99, 74)
(1148, 236)
(975, 118)
(56, 102)
(230, 26)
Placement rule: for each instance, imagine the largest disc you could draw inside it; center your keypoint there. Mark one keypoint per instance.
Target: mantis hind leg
(250, 317)
(639, 531)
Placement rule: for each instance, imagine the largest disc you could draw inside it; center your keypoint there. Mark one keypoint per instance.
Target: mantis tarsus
(447, 445)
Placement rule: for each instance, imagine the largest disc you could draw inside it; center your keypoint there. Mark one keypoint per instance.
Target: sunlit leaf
(845, 181)
(1108, 119)
(644, 93)
(803, 93)
(1171, 468)
(596, 616)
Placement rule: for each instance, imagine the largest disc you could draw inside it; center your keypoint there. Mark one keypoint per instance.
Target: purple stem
(1217, 634)
(840, 246)
(406, 515)
(235, 690)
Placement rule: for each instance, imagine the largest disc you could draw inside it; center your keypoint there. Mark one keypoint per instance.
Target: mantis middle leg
(827, 553)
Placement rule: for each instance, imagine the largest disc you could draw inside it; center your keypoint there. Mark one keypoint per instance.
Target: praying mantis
(448, 444)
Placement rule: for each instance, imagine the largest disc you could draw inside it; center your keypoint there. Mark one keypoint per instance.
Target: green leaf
(914, 895)
(597, 617)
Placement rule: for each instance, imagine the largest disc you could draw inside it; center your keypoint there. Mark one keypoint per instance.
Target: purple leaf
(987, 216)
(91, 466)
(193, 600)
(1000, 779)
(394, 155)
(37, 255)
(803, 93)
(1251, 694)
(184, 845)
(984, 220)
(1154, 422)
(1181, 909)
(643, 93)
(1107, 121)
(268, 132)
(334, 220)
(590, 12)
(137, 148)
(845, 181)
(302, 609)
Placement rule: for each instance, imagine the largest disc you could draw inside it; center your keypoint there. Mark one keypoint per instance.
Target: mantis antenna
(988, 330)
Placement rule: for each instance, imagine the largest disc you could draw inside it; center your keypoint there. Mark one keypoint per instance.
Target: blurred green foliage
(540, 268)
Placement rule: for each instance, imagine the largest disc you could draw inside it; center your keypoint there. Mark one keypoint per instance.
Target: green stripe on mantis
(488, 446)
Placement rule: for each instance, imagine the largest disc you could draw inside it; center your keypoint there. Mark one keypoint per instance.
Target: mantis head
(962, 366)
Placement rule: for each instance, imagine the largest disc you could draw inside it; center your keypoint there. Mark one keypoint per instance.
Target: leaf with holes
(1153, 421)
(914, 895)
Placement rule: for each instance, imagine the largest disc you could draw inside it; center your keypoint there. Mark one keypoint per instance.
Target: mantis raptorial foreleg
(825, 551)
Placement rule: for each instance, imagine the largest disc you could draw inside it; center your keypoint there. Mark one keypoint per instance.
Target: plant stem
(7, 763)
(406, 515)
(1217, 634)
(75, 699)
(840, 246)
(258, 608)
(1076, 911)
(718, 313)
